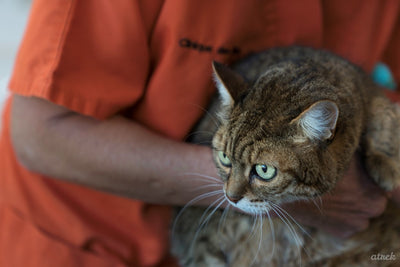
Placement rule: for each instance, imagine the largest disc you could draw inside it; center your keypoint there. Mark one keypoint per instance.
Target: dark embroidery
(187, 43)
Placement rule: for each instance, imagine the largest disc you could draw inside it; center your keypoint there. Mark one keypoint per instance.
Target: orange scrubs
(150, 60)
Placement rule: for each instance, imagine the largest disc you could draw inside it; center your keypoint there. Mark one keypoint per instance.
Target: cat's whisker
(321, 202)
(207, 186)
(318, 207)
(200, 132)
(200, 176)
(202, 223)
(252, 232)
(271, 226)
(286, 216)
(286, 221)
(298, 225)
(293, 219)
(207, 137)
(223, 217)
(260, 230)
(191, 202)
(261, 235)
(208, 208)
(203, 143)
(207, 113)
(214, 210)
(205, 221)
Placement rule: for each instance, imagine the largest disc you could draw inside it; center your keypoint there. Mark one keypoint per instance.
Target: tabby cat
(291, 120)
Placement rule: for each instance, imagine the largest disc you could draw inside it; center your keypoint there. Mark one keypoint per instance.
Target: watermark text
(383, 257)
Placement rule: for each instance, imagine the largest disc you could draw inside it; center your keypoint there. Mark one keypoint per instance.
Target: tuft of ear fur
(230, 84)
(318, 122)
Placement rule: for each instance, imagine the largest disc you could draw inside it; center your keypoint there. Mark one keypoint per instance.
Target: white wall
(13, 16)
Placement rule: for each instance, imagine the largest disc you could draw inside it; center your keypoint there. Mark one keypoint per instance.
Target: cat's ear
(318, 122)
(230, 84)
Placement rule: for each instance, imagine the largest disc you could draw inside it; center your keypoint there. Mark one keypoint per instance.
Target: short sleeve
(90, 56)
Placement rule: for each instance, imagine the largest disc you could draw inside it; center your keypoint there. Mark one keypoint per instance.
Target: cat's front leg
(381, 143)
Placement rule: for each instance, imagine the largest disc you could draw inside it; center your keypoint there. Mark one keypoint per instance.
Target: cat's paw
(382, 143)
(384, 170)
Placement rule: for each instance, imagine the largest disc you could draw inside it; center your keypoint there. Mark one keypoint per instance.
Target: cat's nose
(234, 199)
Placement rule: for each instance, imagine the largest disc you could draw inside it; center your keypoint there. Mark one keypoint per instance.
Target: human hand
(348, 208)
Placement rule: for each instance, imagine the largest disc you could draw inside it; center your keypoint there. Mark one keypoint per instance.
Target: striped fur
(305, 113)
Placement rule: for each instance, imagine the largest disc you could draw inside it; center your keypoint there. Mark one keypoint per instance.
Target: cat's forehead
(250, 145)
(276, 99)
(262, 119)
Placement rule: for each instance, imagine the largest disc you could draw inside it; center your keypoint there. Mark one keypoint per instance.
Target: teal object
(383, 76)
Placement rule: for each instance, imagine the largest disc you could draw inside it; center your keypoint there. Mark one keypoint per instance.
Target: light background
(13, 17)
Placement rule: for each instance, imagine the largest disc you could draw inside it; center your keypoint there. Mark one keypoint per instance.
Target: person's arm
(117, 155)
(121, 157)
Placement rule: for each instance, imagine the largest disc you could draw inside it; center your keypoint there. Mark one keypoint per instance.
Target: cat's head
(271, 152)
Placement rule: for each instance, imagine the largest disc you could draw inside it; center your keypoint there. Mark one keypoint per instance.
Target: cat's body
(287, 133)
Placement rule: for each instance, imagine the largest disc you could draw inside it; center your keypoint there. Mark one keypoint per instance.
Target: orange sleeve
(90, 56)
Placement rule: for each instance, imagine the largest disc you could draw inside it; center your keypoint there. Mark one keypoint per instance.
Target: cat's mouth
(251, 206)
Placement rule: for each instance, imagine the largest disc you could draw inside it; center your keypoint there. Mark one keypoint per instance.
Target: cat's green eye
(265, 172)
(224, 159)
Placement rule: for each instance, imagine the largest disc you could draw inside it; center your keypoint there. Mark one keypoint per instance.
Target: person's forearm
(116, 155)
(124, 158)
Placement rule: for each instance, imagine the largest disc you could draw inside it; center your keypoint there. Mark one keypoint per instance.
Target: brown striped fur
(304, 112)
